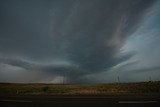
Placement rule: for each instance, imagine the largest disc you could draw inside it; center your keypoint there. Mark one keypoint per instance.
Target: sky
(79, 41)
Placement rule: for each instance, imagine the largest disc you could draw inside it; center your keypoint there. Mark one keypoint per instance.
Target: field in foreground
(97, 89)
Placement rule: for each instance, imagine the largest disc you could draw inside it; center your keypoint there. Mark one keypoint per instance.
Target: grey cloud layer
(88, 34)
(95, 30)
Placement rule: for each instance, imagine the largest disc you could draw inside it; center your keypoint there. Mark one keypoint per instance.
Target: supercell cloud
(66, 39)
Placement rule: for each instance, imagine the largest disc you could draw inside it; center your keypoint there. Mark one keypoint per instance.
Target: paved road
(119, 100)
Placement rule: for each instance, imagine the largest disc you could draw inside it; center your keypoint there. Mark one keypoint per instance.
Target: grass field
(97, 89)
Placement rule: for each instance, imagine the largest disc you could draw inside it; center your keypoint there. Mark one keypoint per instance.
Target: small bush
(45, 89)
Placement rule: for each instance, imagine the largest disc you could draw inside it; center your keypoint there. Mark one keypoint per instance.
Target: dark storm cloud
(95, 30)
(71, 72)
(24, 27)
(87, 34)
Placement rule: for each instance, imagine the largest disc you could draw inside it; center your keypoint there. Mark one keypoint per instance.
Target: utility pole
(63, 79)
(118, 79)
(150, 78)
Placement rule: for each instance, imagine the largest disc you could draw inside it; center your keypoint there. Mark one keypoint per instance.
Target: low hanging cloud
(72, 38)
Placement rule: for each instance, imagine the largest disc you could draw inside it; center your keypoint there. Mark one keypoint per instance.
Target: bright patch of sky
(145, 41)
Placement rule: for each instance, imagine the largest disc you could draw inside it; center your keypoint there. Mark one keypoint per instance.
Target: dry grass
(142, 87)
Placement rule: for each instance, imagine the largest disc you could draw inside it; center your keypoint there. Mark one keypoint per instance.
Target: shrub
(45, 89)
